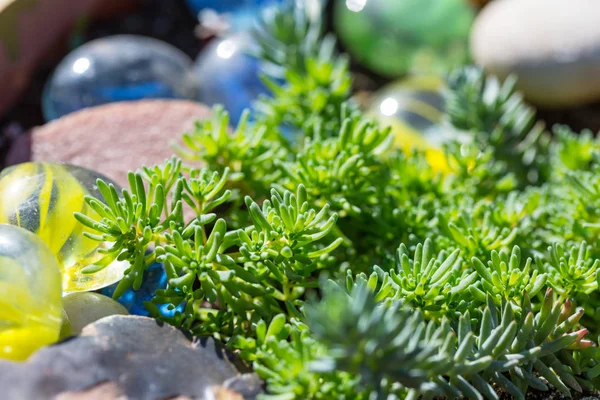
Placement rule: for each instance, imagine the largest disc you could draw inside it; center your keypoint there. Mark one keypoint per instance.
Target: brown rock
(29, 29)
(115, 138)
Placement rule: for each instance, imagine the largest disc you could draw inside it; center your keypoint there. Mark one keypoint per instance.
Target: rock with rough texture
(552, 46)
(128, 357)
(116, 138)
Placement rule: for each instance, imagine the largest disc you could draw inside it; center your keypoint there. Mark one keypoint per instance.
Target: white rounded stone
(552, 46)
(83, 308)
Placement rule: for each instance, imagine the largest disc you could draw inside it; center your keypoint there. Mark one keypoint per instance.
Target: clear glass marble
(117, 68)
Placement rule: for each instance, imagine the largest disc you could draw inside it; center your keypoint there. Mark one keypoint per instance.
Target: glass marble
(227, 75)
(239, 14)
(42, 197)
(155, 278)
(414, 108)
(395, 37)
(30, 294)
(117, 68)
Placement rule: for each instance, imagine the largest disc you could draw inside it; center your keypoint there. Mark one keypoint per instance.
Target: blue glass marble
(117, 68)
(133, 300)
(227, 75)
(240, 14)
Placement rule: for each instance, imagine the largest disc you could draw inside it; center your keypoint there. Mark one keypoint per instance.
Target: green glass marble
(42, 198)
(30, 293)
(395, 37)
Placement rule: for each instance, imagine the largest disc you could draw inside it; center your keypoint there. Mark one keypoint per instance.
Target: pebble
(552, 46)
(84, 308)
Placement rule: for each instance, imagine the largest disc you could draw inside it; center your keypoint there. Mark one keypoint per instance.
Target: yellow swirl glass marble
(30, 294)
(414, 108)
(42, 197)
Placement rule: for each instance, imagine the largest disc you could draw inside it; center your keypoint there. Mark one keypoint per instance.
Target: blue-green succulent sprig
(383, 341)
(283, 354)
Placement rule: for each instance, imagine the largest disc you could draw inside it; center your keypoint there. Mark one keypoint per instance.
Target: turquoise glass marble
(42, 198)
(240, 14)
(394, 37)
(227, 75)
(117, 68)
(30, 294)
(155, 278)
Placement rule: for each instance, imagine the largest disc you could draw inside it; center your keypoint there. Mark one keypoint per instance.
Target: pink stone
(115, 138)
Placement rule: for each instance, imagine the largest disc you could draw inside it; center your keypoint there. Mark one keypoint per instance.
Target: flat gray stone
(552, 46)
(129, 357)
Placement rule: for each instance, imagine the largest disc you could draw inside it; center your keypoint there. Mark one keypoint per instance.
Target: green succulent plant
(339, 267)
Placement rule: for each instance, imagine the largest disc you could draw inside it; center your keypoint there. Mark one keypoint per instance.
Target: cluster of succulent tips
(340, 267)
